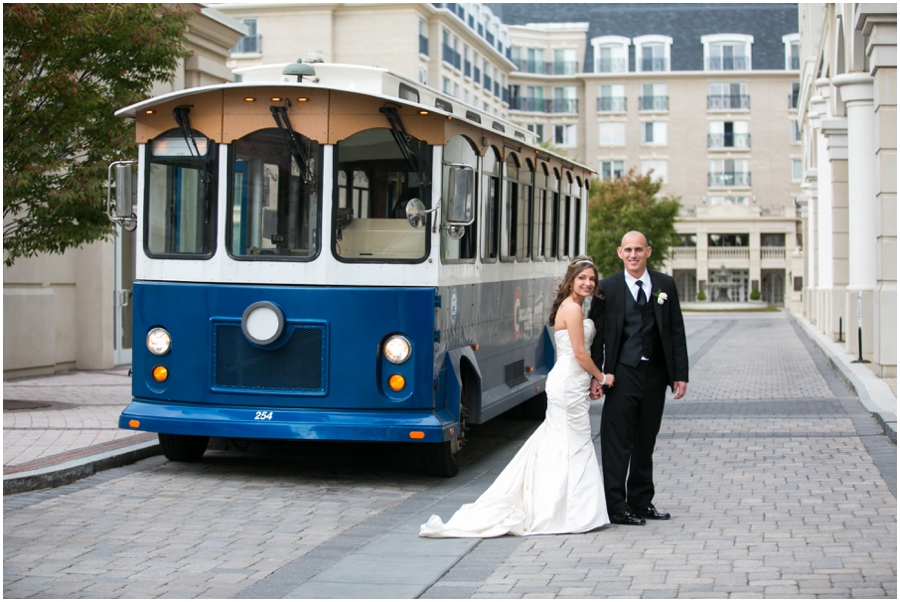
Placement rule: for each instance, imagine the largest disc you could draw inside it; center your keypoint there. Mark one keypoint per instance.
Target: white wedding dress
(553, 484)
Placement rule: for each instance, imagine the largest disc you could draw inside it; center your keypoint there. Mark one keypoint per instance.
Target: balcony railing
(487, 82)
(653, 103)
(467, 68)
(728, 101)
(726, 179)
(611, 103)
(547, 67)
(728, 253)
(655, 64)
(611, 66)
(771, 211)
(772, 253)
(248, 45)
(684, 253)
(477, 76)
(727, 63)
(565, 105)
(451, 56)
(423, 45)
(728, 140)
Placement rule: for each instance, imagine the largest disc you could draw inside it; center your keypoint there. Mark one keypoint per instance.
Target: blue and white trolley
(350, 256)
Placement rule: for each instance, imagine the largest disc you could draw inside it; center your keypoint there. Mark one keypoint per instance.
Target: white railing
(684, 253)
(728, 253)
(771, 211)
(772, 253)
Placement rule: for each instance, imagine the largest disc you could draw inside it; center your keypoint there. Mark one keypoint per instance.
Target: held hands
(597, 388)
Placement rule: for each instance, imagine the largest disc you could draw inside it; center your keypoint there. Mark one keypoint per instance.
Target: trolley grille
(515, 373)
(297, 365)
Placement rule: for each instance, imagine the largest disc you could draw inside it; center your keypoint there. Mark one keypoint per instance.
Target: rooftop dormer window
(727, 52)
(791, 51)
(652, 53)
(610, 54)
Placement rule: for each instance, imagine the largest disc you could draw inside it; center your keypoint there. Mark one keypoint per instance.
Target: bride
(553, 484)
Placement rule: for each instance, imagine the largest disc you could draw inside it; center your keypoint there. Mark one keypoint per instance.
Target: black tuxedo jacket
(608, 315)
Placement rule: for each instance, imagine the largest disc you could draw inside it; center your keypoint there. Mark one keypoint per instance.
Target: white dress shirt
(630, 282)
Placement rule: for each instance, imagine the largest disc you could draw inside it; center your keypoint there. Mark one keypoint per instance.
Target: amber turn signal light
(134, 424)
(160, 373)
(416, 435)
(396, 382)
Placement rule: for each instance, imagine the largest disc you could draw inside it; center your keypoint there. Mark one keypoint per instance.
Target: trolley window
(542, 213)
(274, 203)
(181, 196)
(491, 187)
(373, 184)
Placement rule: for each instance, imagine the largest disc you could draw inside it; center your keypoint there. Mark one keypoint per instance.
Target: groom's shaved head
(631, 235)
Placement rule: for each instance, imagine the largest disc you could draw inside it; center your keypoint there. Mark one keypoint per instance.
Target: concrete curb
(875, 395)
(69, 472)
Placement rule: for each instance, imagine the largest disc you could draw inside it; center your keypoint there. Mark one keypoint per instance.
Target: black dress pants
(632, 414)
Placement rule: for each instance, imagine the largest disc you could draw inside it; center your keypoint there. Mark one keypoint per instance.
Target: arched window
(274, 207)
(490, 170)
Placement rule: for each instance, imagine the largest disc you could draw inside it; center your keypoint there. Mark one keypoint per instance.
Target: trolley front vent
(297, 365)
(515, 373)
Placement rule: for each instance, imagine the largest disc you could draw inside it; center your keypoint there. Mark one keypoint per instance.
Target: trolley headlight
(158, 341)
(397, 349)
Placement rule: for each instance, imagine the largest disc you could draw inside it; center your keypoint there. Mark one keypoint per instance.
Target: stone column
(834, 132)
(878, 23)
(823, 249)
(857, 94)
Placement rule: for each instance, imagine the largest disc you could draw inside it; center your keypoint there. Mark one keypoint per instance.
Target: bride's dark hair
(577, 266)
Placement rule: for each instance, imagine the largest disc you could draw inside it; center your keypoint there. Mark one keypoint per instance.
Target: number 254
(263, 416)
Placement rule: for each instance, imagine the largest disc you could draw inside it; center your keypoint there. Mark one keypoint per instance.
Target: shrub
(701, 296)
(754, 295)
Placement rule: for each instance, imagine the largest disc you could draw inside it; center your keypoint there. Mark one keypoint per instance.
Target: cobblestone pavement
(779, 483)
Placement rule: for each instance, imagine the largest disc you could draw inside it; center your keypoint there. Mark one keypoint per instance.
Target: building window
(250, 43)
(728, 134)
(533, 101)
(652, 53)
(728, 96)
(653, 98)
(476, 75)
(487, 77)
(727, 52)
(658, 167)
(446, 87)
(423, 37)
(538, 129)
(795, 131)
(794, 96)
(534, 62)
(611, 99)
(564, 99)
(467, 64)
(564, 62)
(565, 135)
(612, 134)
(796, 170)
(423, 76)
(612, 169)
(611, 54)
(654, 132)
(791, 51)
(726, 173)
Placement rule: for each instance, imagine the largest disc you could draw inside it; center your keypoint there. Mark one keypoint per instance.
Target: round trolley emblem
(454, 305)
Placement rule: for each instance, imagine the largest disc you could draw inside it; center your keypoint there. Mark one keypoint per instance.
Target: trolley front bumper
(279, 423)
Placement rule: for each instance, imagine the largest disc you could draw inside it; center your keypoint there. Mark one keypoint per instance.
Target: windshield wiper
(412, 153)
(180, 115)
(290, 137)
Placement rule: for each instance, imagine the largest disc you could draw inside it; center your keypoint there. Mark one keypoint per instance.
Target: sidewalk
(61, 428)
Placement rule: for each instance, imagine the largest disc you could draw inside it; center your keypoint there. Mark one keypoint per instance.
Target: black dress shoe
(650, 512)
(626, 518)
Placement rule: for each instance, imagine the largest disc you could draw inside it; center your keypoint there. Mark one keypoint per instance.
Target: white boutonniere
(660, 297)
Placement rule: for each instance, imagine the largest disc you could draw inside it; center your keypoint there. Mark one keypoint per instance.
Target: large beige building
(848, 116)
(62, 312)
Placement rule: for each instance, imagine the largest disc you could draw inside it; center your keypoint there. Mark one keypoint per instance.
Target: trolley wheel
(534, 408)
(183, 448)
(443, 459)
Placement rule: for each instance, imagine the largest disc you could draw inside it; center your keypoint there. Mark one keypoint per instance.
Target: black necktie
(641, 297)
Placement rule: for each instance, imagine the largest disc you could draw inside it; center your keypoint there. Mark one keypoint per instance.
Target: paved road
(779, 482)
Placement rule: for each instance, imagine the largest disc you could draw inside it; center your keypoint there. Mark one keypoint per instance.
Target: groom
(640, 339)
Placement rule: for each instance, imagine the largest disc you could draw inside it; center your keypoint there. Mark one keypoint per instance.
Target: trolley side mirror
(460, 201)
(126, 186)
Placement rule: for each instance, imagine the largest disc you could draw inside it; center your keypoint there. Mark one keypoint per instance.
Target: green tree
(619, 205)
(66, 69)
